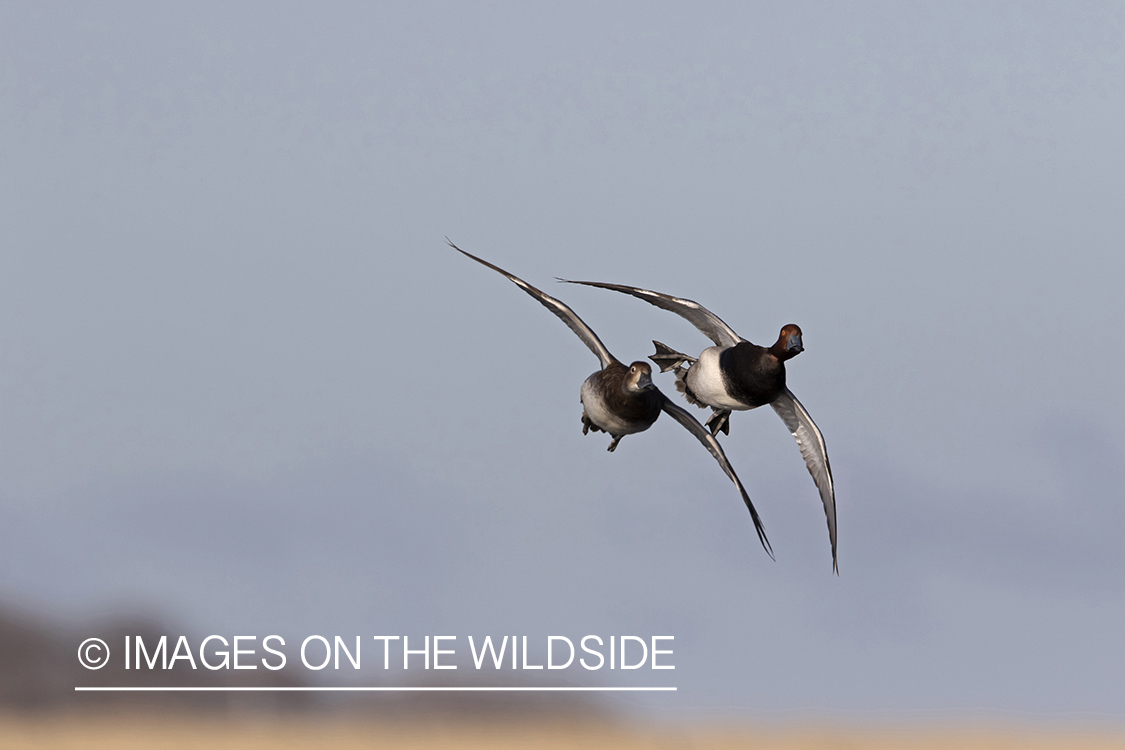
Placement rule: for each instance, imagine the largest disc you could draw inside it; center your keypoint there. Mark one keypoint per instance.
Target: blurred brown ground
(40, 709)
(79, 731)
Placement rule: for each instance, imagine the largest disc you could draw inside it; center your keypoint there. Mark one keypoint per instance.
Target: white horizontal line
(493, 689)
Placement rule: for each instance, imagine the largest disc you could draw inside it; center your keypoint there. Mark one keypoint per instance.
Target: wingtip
(762, 537)
(561, 280)
(450, 243)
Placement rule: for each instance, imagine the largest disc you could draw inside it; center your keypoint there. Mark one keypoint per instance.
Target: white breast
(705, 380)
(600, 415)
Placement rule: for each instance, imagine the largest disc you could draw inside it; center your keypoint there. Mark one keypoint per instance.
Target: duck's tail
(668, 358)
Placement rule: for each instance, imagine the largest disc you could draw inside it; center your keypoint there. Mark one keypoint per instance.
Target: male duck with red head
(736, 375)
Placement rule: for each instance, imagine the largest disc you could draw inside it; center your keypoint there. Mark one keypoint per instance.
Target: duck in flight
(622, 400)
(738, 375)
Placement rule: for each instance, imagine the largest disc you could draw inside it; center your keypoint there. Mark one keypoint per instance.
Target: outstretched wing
(711, 444)
(565, 314)
(708, 323)
(811, 443)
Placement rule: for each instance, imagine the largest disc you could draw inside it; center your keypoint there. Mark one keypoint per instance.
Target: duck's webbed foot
(720, 421)
(588, 424)
(668, 358)
(613, 445)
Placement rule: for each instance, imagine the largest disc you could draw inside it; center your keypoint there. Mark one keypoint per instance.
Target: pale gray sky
(244, 382)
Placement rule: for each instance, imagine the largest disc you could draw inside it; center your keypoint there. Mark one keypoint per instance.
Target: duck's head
(788, 343)
(639, 378)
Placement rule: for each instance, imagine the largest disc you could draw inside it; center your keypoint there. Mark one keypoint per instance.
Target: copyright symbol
(93, 653)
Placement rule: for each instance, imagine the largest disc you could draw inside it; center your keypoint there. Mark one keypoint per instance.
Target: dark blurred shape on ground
(39, 669)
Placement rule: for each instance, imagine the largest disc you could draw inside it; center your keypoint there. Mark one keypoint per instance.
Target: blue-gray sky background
(245, 385)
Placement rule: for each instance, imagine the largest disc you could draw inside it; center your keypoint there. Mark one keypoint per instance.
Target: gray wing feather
(711, 444)
(815, 453)
(565, 314)
(708, 323)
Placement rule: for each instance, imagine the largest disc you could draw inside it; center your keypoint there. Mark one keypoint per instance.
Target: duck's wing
(711, 444)
(708, 323)
(811, 443)
(568, 316)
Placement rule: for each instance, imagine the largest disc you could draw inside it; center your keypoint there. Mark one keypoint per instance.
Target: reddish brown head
(788, 343)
